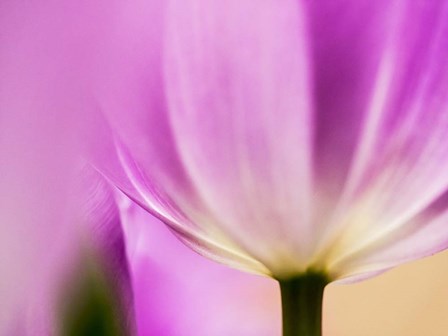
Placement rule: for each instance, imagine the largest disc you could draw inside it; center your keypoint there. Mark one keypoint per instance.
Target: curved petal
(211, 244)
(423, 236)
(135, 145)
(399, 170)
(348, 39)
(238, 90)
(244, 191)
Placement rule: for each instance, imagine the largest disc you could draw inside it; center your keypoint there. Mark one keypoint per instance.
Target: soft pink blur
(43, 109)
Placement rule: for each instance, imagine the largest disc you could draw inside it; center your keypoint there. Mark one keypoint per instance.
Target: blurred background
(410, 300)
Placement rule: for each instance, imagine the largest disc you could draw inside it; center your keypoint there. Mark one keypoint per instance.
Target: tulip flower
(304, 141)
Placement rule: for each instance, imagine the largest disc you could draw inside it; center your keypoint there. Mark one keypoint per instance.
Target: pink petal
(242, 199)
(398, 175)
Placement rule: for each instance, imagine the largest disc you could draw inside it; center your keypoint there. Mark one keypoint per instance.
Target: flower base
(302, 304)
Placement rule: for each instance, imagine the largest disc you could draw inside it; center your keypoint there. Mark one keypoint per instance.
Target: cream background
(411, 300)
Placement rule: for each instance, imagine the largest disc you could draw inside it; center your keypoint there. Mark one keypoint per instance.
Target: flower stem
(302, 304)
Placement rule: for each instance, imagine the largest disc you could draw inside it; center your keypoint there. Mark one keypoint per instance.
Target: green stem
(302, 304)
